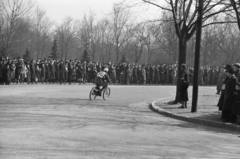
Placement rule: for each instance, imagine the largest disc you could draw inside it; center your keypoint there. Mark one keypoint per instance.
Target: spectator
(236, 108)
(220, 80)
(236, 68)
(144, 75)
(183, 93)
(229, 95)
(200, 76)
(221, 99)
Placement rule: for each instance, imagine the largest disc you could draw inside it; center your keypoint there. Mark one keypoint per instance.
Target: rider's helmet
(105, 69)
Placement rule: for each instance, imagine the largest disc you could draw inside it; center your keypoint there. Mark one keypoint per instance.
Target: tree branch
(154, 4)
(213, 23)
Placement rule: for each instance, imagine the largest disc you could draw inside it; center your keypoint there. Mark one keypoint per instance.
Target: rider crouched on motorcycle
(102, 79)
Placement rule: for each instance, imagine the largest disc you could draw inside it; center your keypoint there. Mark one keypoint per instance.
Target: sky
(58, 10)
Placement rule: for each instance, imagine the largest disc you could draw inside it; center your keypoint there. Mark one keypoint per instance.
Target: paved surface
(207, 111)
(59, 122)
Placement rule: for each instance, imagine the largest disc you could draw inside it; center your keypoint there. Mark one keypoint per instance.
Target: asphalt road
(60, 122)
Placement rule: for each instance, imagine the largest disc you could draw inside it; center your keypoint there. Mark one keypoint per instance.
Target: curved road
(59, 122)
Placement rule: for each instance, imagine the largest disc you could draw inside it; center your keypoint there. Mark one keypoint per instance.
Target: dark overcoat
(229, 94)
(32, 70)
(221, 99)
(236, 103)
(183, 93)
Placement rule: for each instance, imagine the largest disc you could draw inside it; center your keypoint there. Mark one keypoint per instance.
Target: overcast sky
(57, 10)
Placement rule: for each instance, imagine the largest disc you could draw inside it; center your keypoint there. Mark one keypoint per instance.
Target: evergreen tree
(26, 55)
(85, 56)
(53, 54)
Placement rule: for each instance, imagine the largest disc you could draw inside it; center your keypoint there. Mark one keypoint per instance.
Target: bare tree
(150, 41)
(120, 24)
(66, 37)
(229, 43)
(138, 42)
(236, 7)
(167, 38)
(13, 12)
(104, 41)
(42, 31)
(184, 16)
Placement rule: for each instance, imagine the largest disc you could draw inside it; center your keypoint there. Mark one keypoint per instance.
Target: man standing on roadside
(229, 95)
(33, 71)
(236, 68)
(220, 79)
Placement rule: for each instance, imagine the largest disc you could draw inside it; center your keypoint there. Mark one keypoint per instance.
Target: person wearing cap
(102, 79)
(236, 107)
(220, 79)
(229, 95)
(236, 68)
(221, 99)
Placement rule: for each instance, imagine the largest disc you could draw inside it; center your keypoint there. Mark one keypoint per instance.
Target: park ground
(60, 122)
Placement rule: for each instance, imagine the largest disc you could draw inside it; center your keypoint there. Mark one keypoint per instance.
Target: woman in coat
(183, 93)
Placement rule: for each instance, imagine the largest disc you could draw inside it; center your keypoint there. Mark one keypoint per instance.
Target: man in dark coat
(236, 107)
(236, 68)
(229, 94)
(53, 71)
(118, 72)
(62, 72)
(70, 71)
(135, 74)
(57, 73)
(139, 74)
(157, 74)
(33, 70)
(147, 69)
(43, 72)
(48, 71)
(84, 72)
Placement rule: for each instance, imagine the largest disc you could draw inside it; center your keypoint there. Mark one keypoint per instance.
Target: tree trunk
(117, 53)
(181, 60)
(197, 57)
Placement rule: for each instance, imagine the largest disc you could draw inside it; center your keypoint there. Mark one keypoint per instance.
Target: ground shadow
(199, 126)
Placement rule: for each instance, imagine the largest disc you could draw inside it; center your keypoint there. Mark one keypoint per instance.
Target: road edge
(204, 122)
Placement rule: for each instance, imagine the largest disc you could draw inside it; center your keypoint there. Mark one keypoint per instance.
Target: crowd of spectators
(229, 101)
(74, 71)
(18, 70)
(48, 71)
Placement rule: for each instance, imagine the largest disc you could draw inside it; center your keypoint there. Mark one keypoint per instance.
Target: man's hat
(227, 66)
(237, 65)
(230, 70)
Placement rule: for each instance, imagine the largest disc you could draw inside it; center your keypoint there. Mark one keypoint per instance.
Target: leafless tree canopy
(24, 25)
